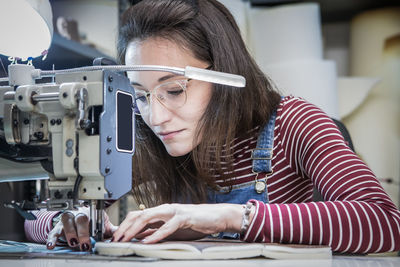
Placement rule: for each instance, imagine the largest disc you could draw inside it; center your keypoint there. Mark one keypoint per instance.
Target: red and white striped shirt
(357, 215)
(38, 230)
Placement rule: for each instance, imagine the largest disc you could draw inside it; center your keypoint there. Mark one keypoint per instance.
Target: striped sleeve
(357, 215)
(38, 230)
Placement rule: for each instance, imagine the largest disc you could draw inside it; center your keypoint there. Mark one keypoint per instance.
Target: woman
(251, 156)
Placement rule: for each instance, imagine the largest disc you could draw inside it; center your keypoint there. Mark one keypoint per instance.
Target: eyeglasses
(170, 94)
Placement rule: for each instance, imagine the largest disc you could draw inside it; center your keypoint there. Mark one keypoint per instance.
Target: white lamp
(26, 27)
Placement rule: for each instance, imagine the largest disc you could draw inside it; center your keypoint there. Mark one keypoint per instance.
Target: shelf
(334, 10)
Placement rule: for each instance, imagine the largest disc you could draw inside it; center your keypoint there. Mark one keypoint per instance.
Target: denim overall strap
(262, 154)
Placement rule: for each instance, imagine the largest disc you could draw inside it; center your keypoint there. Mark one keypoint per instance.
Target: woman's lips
(168, 135)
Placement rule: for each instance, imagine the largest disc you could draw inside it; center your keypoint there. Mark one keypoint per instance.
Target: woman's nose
(159, 114)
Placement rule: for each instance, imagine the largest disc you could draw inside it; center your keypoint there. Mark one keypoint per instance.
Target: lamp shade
(26, 27)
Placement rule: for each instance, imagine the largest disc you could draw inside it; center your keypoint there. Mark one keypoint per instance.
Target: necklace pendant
(260, 186)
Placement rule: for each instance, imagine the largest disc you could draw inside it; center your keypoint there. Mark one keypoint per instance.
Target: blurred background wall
(343, 56)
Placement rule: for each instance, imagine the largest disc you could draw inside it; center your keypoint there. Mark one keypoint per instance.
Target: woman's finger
(138, 220)
(166, 230)
(82, 230)
(148, 230)
(134, 220)
(109, 228)
(130, 218)
(53, 236)
(145, 233)
(68, 221)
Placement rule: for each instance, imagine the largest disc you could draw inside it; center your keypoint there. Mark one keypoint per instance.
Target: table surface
(76, 261)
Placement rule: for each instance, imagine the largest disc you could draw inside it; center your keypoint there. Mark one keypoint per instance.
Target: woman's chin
(178, 151)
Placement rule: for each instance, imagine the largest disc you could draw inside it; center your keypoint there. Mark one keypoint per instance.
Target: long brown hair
(209, 31)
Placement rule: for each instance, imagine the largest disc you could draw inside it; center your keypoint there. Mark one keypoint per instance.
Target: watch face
(259, 187)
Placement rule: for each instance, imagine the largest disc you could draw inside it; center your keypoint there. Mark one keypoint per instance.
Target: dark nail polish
(49, 245)
(73, 242)
(85, 247)
(112, 239)
(119, 240)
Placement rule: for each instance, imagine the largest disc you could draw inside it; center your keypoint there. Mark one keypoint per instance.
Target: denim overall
(240, 194)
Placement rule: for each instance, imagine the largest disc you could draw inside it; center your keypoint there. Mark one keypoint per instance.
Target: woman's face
(176, 127)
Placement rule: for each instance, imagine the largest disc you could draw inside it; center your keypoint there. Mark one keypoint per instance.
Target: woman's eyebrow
(135, 83)
(166, 77)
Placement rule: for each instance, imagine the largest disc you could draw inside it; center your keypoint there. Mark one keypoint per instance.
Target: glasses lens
(141, 102)
(172, 94)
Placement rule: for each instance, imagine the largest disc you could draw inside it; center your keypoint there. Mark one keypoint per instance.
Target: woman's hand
(73, 228)
(180, 221)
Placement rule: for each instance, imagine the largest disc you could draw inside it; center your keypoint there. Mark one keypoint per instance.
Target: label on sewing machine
(124, 122)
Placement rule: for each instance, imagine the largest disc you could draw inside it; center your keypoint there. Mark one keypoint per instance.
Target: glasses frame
(182, 82)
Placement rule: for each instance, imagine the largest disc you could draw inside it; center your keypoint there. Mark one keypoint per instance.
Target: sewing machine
(80, 127)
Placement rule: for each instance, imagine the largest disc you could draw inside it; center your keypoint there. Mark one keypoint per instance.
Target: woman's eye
(141, 98)
(175, 92)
